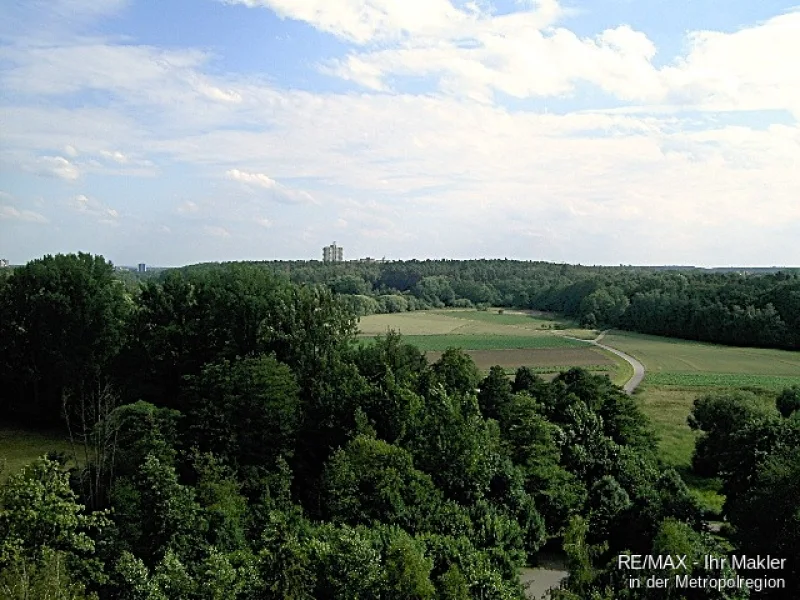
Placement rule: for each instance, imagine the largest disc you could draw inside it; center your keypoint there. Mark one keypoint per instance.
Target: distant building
(3, 263)
(142, 268)
(369, 259)
(332, 253)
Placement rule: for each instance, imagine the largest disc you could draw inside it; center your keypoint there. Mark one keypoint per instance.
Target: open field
(526, 320)
(489, 342)
(510, 339)
(469, 322)
(679, 371)
(667, 355)
(723, 380)
(668, 409)
(410, 323)
(543, 360)
(18, 447)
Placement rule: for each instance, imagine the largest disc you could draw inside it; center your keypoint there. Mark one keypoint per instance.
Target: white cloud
(94, 208)
(398, 167)
(15, 214)
(280, 193)
(258, 179)
(116, 156)
(188, 207)
(214, 93)
(215, 231)
(363, 21)
(524, 55)
(264, 222)
(57, 166)
(745, 70)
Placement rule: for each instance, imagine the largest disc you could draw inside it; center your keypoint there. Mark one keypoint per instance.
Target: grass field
(679, 371)
(723, 380)
(18, 447)
(510, 339)
(469, 322)
(544, 360)
(490, 342)
(528, 320)
(666, 355)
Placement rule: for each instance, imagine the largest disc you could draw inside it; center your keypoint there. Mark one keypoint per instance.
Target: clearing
(19, 447)
(511, 338)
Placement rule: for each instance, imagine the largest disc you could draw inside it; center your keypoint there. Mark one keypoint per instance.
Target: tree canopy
(244, 445)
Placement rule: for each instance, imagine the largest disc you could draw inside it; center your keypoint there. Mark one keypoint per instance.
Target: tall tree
(62, 323)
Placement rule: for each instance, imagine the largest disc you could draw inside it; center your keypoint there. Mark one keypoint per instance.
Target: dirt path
(539, 580)
(638, 368)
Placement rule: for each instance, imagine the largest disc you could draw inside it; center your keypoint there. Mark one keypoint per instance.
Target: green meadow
(18, 447)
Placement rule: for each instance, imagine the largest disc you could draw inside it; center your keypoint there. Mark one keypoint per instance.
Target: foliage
(248, 448)
(370, 481)
(456, 371)
(752, 309)
(246, 412)
(788, 401)
(62, 324)
(39, 510)
(47, 578)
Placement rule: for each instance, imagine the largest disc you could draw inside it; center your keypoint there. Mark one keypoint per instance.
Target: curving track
(638, 368)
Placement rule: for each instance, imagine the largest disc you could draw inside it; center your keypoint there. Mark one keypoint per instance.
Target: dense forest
(732, 308)
(234, 441)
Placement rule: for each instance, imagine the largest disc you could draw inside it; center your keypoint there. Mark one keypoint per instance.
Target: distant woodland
(232, 441)
(722, 307)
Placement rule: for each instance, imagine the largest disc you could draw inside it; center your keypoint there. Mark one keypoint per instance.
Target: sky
(173, 132)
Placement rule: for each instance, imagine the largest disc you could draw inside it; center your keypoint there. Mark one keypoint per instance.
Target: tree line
(745, 309)
(234, 440)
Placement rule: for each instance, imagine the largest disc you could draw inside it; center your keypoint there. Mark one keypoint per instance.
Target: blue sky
(614, 132)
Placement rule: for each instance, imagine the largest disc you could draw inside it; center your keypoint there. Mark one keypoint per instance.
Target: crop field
(667, 355)
(18, 447)
(679, 371)
(410, 323)
(528, 320)
(490, 342)
(723, 380)
(470, 322)
(510, 339)
(543, 360)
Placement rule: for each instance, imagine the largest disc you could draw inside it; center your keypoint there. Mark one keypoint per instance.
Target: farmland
(467, 322)
(542, 360)
(679, 371)
(507, 338)
(490, 342)
(667, 355)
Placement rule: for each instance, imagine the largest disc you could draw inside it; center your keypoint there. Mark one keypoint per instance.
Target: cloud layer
(690, 160)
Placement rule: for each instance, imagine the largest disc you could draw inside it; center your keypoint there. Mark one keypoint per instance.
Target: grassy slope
(680, 371)
(666, 355)
(18, 447)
